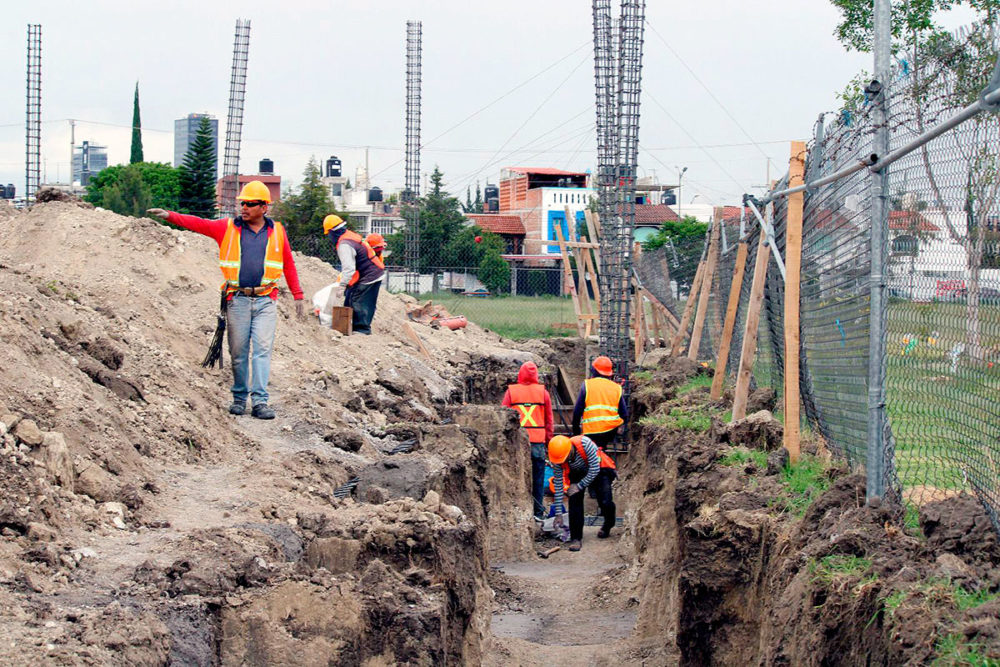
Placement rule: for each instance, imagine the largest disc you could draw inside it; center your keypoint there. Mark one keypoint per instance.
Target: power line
(707, 89)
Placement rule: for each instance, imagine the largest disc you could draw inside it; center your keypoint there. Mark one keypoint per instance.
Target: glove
(300, 311)
(573, 490)
(337, 292)
(158, 213)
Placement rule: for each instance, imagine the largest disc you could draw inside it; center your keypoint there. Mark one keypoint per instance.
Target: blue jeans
(251, 320)
(538, 478)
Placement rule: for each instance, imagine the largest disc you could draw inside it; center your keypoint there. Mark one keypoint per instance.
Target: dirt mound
(739, 559)
(131, 495)
(48, 194)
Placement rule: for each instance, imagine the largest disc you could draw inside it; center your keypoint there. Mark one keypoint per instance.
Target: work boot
(261, 411)
(237, 408)
(574, 545)
(604, 533)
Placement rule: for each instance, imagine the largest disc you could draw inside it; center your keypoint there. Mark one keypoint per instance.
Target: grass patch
(956, 650)
(911, 520)
(645, 376)
(804, 482)
(697, 382)
(740, 456)
(829, 568)
(680, 419)
(515, 317)
(890, 603)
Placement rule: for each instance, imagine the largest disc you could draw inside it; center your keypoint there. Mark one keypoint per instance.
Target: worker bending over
(362, 270)
(377, 242)
(584, 465)
(600, 406)
(531, 401)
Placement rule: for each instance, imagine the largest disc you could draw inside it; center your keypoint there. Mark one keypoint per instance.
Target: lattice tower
(617, 240)
(234, 121)
(33, 119)
(411, 253)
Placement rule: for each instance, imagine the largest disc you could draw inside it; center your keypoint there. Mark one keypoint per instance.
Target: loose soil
(384, 517)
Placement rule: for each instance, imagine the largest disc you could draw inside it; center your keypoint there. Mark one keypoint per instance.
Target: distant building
(540, 197)
(88, 159)
(266, 176)
(185, 130)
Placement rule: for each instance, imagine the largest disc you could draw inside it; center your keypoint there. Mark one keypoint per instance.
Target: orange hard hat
(603, 366)
(375, 240)
(559, 447)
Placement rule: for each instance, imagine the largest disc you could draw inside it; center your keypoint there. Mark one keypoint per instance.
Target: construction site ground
(384, 516)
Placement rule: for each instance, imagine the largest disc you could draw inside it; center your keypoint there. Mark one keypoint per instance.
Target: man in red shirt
(534, 410)
(253, 254)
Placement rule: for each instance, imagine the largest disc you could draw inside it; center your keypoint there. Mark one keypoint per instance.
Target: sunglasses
(252, 204)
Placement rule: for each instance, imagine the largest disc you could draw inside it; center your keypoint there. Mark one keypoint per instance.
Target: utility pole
(72, 149)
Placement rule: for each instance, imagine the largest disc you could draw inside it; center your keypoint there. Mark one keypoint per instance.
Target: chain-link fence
(941, 327)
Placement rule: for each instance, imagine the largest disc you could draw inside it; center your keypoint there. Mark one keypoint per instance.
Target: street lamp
(680, 177)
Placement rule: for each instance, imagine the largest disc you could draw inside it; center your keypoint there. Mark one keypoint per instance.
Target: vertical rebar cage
(411, 193)
(234, 121)
(33, 115)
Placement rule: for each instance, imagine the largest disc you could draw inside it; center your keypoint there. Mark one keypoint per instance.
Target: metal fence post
(875, 459)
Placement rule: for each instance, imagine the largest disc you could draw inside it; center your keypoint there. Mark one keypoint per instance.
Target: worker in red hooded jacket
(531, 400)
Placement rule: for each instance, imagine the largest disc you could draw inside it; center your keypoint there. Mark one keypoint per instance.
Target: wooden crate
(343, 318)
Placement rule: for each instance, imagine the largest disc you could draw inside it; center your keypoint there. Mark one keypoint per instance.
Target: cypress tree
(136, 155)
(198, 173)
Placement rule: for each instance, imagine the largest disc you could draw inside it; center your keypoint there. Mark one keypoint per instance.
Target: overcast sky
(504, 84)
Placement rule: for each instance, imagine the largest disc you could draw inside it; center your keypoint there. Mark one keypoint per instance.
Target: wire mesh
(33, 115)
(943, 366)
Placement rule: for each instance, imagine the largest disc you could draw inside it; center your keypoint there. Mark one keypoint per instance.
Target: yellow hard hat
(559, 447)
(255, 191)
(331, 222)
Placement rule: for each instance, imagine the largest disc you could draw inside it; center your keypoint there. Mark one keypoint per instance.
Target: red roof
(654, 214)
(911, 221)
(546, 171)
(498, 223)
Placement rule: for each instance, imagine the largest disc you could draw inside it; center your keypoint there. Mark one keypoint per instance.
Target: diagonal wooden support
(678, 341)
(727, 328)
(581, 328)
(706, 291)
(750, 332)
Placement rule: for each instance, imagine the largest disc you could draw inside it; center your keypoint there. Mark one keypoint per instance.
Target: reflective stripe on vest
(529, 401)
(349, 235)
(600, 412)
(230, 255)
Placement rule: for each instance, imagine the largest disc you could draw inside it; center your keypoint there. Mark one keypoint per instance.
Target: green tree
(685, 239)
(494, 272)
(136, 153)
(197, 174)
(477, 205)
(302, 211)
(129, 195)
(161, 181)
(463, 251)
(468, 199)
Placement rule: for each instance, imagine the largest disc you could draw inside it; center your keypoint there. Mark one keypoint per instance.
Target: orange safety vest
(577, 440)
(600, 411)
(229, 258)
(529, 401)
(350, 235)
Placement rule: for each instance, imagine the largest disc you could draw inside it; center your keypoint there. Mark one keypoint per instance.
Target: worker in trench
(600, 407)
(584, 466)
(530, 399)
(254, 253)
(377, 243)
(362, 269)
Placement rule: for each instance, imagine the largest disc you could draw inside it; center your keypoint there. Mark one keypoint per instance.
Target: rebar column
(606, 88)
(411, 192)
(33, 116)
(234, 121)
(617, 233)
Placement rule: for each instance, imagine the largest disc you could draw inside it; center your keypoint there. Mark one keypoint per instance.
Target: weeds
(680, 419)
(911, 520)
(890, 603)
(53, 286)
(804, 481)
(829, 568)
(740, 456)
(697, 382)
(955, 649)
(645, 376)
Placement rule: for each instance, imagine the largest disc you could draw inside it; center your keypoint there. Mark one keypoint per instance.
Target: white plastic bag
(323, 306)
